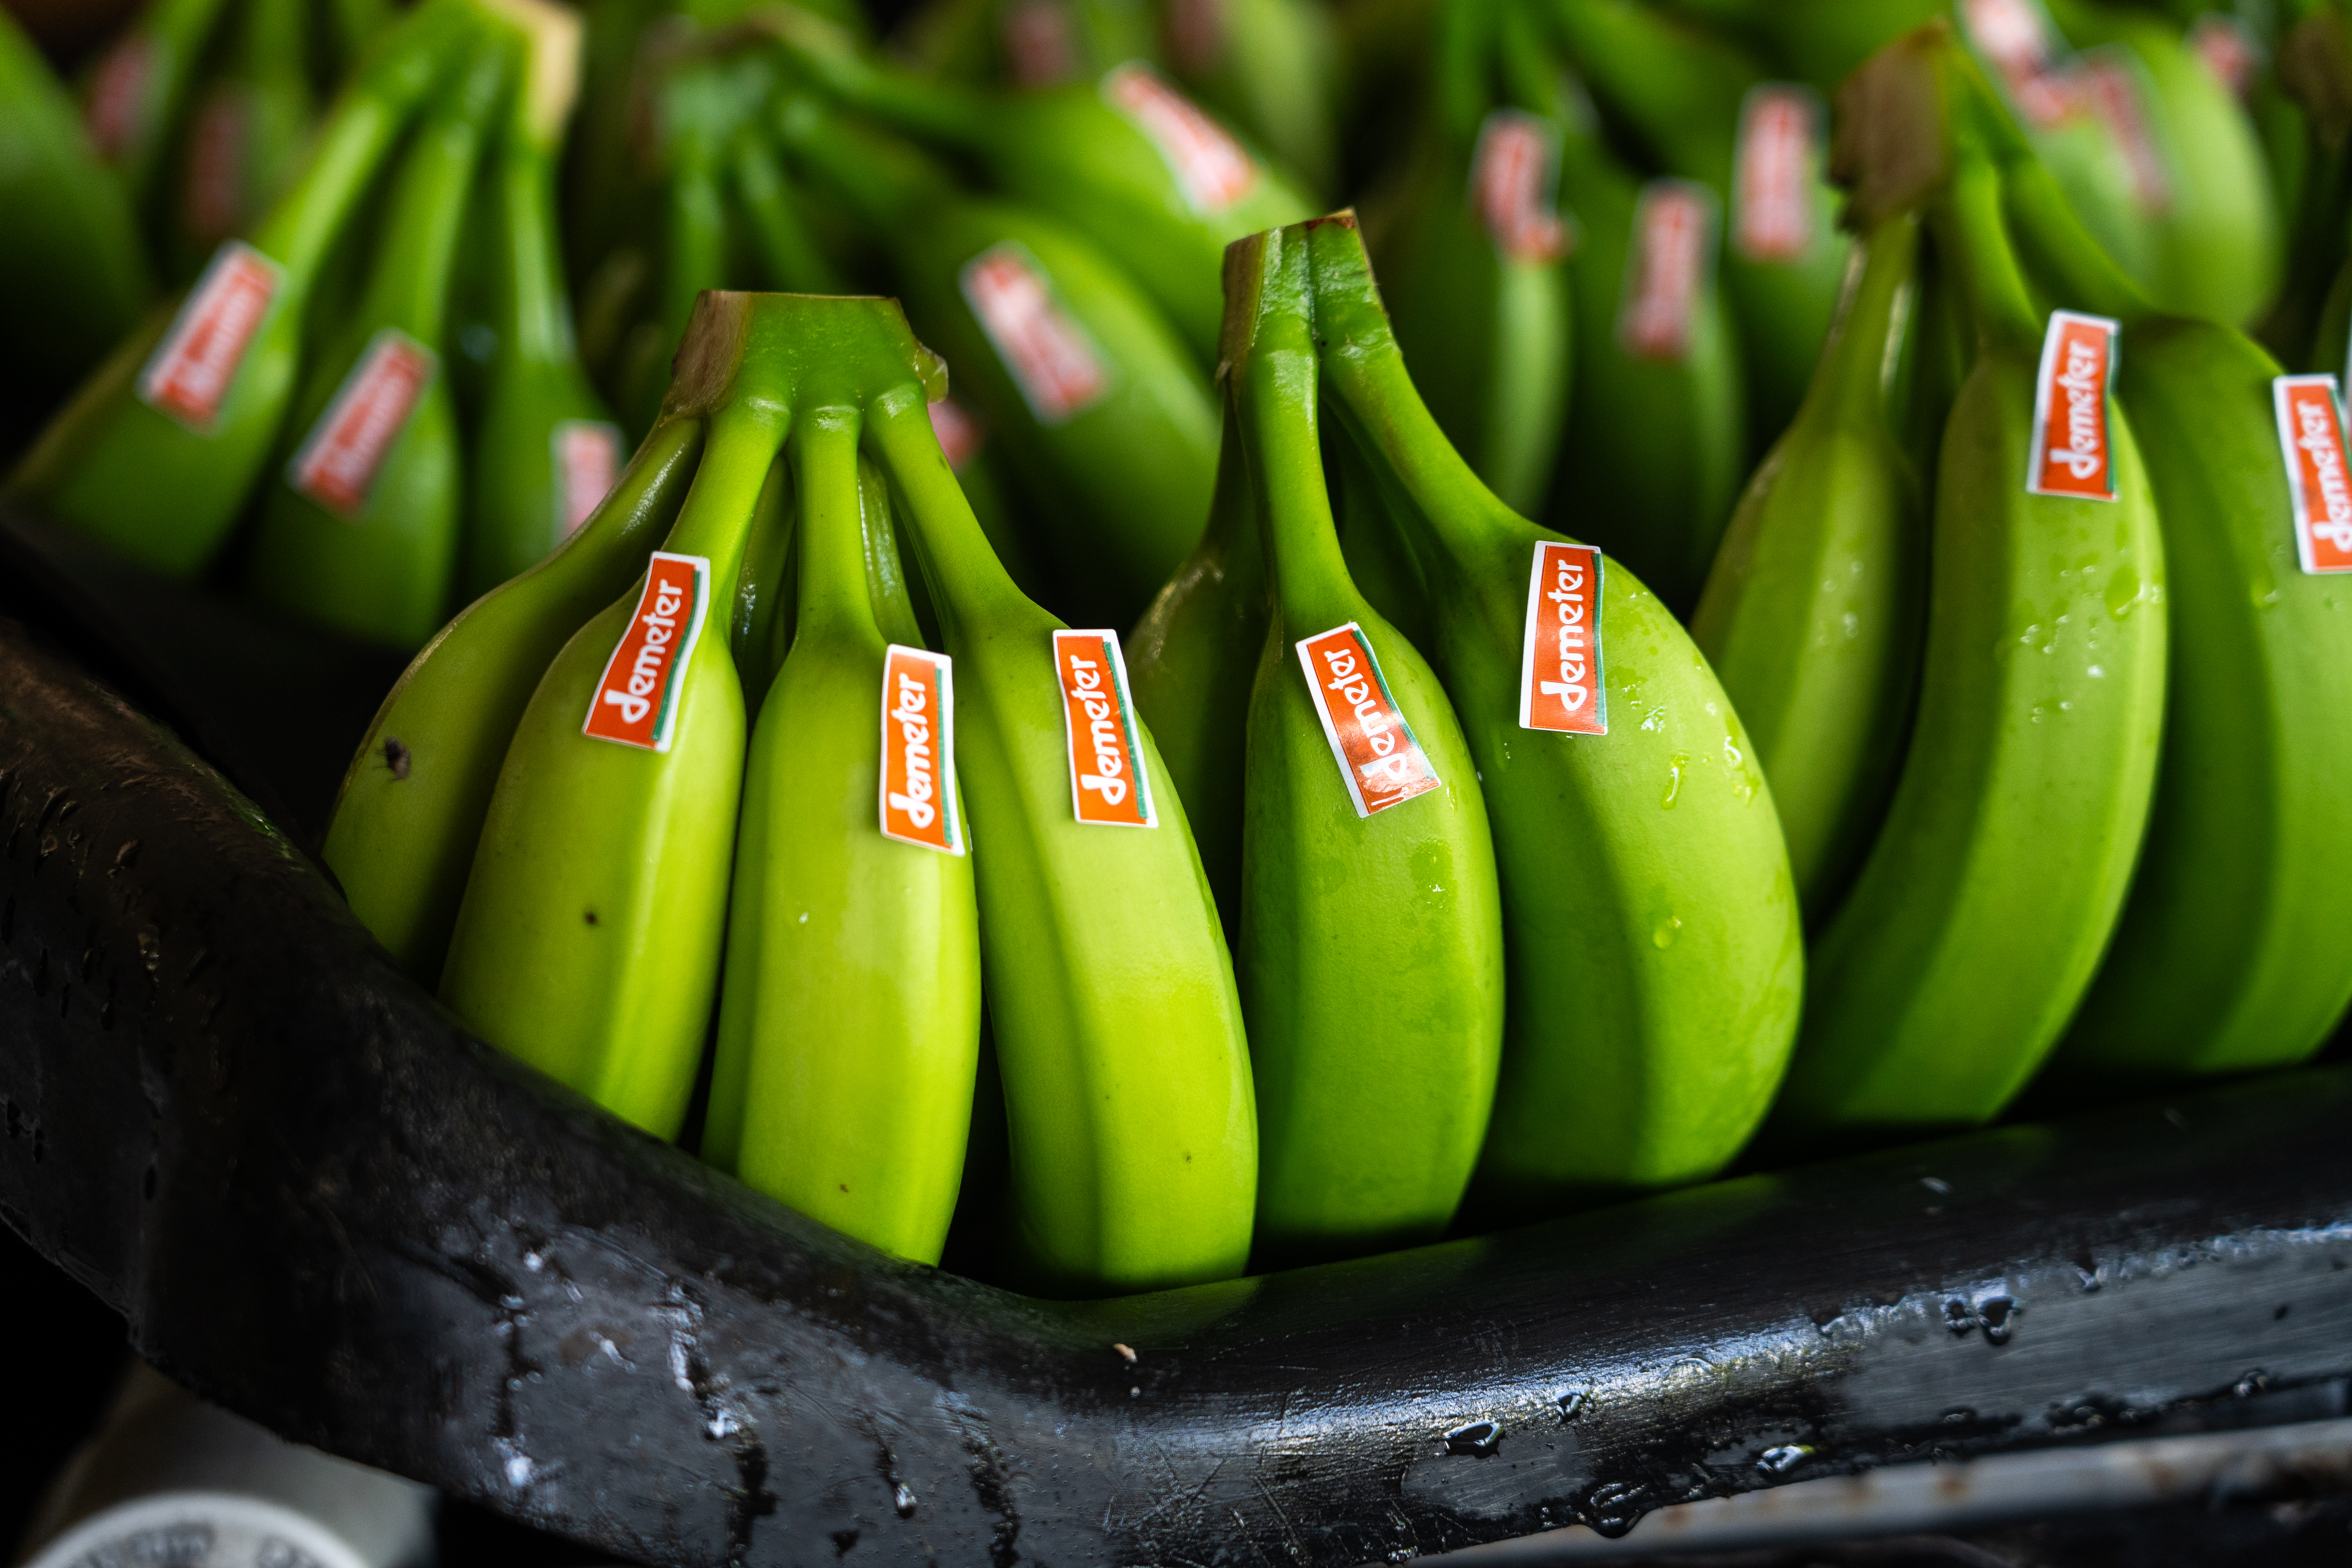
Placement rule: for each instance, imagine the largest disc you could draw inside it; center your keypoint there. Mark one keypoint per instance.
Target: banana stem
(539, 322)
(1851, 389)
(828, 56)
(789, 253)
(1274, 394)
(834, 591)
(969, 586)
(409, 287)
(360, 131)
(745, 434)
(883, 181)
(1970, 221)
(2063, 250)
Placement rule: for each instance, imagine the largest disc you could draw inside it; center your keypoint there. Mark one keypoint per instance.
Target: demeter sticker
(1379, 762)
(1514, 172)
(189, 375)
(635, 703)
(1666, 269)
(919, 794)
(1772, 182)
(1050, 357)
(338, 460)
(1107, 780)
(587, 458)
(2070, 455)
(2016, 37)
(2311, 439)
(116, 111)
(1560, 667)
(1210, 166)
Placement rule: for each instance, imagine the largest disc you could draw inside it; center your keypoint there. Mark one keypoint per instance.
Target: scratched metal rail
(315, 1199)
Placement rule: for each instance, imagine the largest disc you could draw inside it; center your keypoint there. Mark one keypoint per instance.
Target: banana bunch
(1474, 907)
(1072, 285)
(306, 378)
(569, 817)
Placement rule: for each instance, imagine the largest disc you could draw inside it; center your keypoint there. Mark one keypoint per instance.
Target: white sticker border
(2043, 381)
(1536, 576)
(674, 689)
(1128, 723)
(959, 831)
(2299, 497)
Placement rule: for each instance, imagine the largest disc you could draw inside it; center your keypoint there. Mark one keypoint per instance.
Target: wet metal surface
(318, 1201)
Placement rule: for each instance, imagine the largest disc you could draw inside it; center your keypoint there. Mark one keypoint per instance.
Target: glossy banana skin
(1490, 334)
(409, 815)
(73, 279)
(107, 456)
(1110, 993)
(849, 1020)
(1371, 948)
(384, 573)
(1654, 963)
(1270, 71)
(1194, 661)
(1981, 912)
(1118, 490)
(1811, 617)
(588, 940)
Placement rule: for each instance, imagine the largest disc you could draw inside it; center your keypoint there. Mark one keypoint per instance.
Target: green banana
(409, 814)
(544, 448)
(1194, 658)
(362, 533)
(1478, 283)
(1266, 66)
(849, 1020)
(1110, 995)
(965, 441)
(157, 453)
(588, 940)
(1372, 949)
(73, 280)
(2197, 157)
(2211, 969)
(1655, 962)
(1706, 113)
(245, 134)
(1105, 424)
(1980, 913)
(1819, 42)
(1811, 616)
(135, 93)
(1127, 161)
(1657, 431)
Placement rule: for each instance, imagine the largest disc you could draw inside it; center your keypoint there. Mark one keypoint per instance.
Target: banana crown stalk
(189, 407)
(588, 940)
(1981, 911)
(1641, 868)
(1372, 940)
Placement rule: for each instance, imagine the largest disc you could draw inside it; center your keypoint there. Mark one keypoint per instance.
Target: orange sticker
(1666, 269)
(213, 201)
(1379, 762)
(2015, 36)
(1773, 172)
(587, 454)
(1210, 166)
(919, 792)
(1514, 172)
(2070, 456)
(337, 463)
(2311, 439)
(1560, 668)
(635, 703)
(2111, 85)
(189, 374)
(2226, 45)
(1050, 357)
(1107, 776)
(958, 432)
(117, 109)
